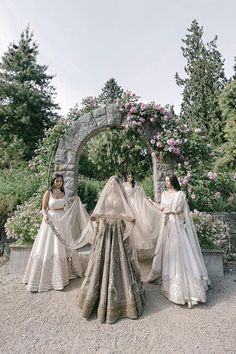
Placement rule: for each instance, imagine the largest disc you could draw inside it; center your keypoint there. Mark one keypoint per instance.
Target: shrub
(23, 225)
(147, 184)
(212, 233)
(89, 190)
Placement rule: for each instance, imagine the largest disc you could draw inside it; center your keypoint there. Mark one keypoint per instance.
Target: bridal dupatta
(73, 227)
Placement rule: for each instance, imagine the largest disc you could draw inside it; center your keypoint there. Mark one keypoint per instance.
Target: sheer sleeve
(181, 200)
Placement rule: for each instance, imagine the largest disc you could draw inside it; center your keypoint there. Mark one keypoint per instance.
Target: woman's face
(167, 182)
(58, 183)
(111, 187)
(130, 178)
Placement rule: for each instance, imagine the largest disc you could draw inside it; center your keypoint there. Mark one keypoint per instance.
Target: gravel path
(50, 322)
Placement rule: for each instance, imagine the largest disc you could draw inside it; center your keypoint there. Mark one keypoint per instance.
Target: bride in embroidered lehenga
(53, 261)
(178, 260)
(112, 283)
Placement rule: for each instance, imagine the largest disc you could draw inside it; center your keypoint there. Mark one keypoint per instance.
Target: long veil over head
(113, 204)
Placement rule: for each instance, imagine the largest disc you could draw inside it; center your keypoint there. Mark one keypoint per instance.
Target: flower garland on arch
(170, 134)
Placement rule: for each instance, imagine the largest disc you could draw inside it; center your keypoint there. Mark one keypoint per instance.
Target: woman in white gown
(51, 264)
(112, 284)
(178, 259)
(148, 218)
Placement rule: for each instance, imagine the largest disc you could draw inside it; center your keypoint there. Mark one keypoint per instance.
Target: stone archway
(90, 124)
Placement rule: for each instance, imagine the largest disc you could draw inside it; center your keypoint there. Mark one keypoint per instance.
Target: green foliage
(203, 84)
(89, 190)
(26, 94)
(42, 164)
(24, 223)
(12, 153)
(16, 186)
(210, 192)
(227, 151)
(112, 152)
(110, 92)
(116, 152)
(147, 184)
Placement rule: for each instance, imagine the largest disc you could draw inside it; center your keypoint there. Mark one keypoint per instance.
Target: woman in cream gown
(51, 264)
(112, 284)
(178, 259)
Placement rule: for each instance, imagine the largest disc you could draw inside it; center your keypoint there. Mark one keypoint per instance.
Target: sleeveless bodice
(56, 203)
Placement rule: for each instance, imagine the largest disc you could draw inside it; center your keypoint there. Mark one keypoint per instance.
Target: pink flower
(176, 151)
(127, 105)
(133, 110)
(159, 144)
(153, 154)
(171, 142)
(165, 118)
(139, 124)
(193, 196)
(212, 176)
(177, 142)
(143, 106)
(185, 181)
(152, 141)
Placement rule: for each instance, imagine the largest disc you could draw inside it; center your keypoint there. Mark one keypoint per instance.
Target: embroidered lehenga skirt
(112, 286)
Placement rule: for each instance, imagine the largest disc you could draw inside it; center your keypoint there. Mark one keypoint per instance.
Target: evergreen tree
(234, 77)
(227, 101)
(27, 105)
(110, 92)
(203, 84)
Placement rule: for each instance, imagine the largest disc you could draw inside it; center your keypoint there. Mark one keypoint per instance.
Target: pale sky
(136, 41)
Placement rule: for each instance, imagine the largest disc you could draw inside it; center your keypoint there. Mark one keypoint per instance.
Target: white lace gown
(178, 259)
(49, 266)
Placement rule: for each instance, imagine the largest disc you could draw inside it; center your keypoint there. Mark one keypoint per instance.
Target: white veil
(181, 203)
(113, 204)
(72, 228)
(148, 216)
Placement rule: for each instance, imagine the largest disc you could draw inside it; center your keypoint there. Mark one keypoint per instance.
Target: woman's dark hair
(54, 177)
(130, 174)
(174, 182)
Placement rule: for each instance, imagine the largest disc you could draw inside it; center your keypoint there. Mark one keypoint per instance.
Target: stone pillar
(161, 169)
